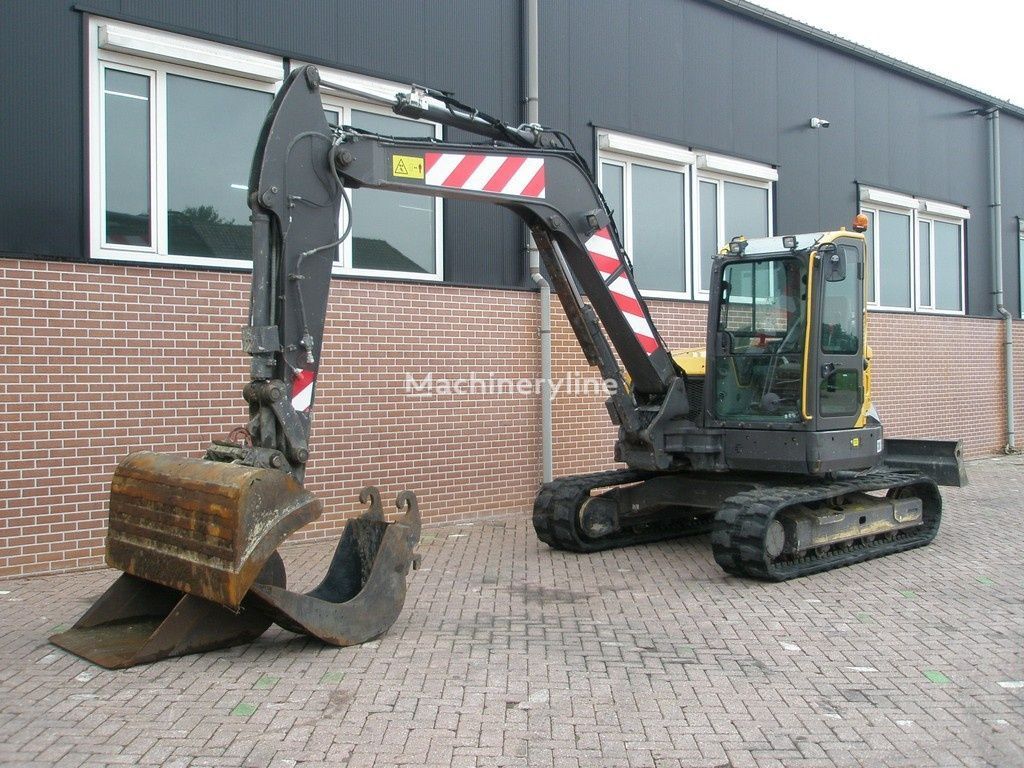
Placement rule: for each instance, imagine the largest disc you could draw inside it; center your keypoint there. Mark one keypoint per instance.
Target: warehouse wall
(107, 360)
(695, 74)
(42, 146)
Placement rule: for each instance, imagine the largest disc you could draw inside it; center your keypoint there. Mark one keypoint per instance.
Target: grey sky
(977, 44)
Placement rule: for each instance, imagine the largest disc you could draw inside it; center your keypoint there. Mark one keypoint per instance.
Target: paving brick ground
(511, 654)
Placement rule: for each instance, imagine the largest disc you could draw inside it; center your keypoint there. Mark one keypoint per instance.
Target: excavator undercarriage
(770, 527)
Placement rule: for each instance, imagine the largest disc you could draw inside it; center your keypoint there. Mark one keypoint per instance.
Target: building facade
(130, 126)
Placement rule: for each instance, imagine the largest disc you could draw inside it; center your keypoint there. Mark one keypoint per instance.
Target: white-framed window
(734, 198)
(1020, 262)
(649, 197)
(173, 124)
(394, 234)
(676, 207)
(917, 248)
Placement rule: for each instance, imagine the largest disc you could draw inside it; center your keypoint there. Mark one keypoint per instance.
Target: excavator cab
(789, 362)
(760, 341)
(769, 325)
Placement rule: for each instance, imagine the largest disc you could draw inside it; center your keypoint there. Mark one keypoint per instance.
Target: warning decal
(407, 167)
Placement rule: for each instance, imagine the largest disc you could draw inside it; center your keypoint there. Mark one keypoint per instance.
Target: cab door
(838, 377)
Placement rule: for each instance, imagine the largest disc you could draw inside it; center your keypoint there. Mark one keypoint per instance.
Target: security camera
(819, 122)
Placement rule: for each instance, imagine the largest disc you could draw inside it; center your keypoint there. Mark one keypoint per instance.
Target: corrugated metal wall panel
(474, 51)
(799, 205)
(872, 126)
(681, 70)
(41, 169)
(835, 156)
(704, 95)
(1013, 206)
(218, 18)
(755, 89)
(703, 76)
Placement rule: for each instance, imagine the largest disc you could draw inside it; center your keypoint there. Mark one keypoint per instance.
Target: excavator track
(741, 524)
(556, 514)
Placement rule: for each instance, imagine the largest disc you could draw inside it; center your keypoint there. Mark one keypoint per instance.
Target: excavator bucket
(197, 542)
(201, 527)
(137, 621)
(364, 589)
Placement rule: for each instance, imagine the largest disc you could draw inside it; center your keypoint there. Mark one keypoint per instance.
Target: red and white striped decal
(603, 255)
(501, 174)
(302, 390)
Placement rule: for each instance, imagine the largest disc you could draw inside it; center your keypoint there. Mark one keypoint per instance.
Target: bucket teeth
(137, 621)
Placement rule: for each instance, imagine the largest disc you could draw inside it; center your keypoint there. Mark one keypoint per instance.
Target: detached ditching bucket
(196, 541)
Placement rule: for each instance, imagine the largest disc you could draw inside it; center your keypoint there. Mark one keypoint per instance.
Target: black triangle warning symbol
(400, 169)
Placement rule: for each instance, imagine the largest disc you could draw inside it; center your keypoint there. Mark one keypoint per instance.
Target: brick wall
(933, 377)
(103, 360)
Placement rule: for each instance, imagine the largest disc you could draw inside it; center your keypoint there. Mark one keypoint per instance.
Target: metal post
(531, 103)
(997, 273)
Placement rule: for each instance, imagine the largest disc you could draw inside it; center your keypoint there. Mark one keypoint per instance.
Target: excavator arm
(300, 174)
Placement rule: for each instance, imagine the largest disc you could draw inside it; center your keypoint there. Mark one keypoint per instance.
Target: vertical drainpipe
(531, 104)
(997, 272)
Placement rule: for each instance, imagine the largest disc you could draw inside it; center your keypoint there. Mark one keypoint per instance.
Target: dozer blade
(941, 460)
(205, 528)
(364, 589)
(136, 622)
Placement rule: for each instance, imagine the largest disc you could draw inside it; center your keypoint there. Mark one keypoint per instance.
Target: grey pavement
(511, 654)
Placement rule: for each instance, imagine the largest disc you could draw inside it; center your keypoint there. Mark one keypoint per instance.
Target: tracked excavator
(766, 437)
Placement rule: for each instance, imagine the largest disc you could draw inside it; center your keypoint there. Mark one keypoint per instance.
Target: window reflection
(869, 265)
(393, 231)
(658, 229)
(126, 158)
(924, 259)
(708, 230)
(611, 187)
(212, 131)
(947, 266)
(894, 258)
(746, 211)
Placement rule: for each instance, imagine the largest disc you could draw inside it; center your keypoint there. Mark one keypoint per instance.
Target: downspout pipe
(997, 272)
(531, 115)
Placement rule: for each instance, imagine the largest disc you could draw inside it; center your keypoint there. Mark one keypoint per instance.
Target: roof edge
(799, 28)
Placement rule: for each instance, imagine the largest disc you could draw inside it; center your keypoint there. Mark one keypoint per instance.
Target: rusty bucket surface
(201, 527)
(197, 542)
